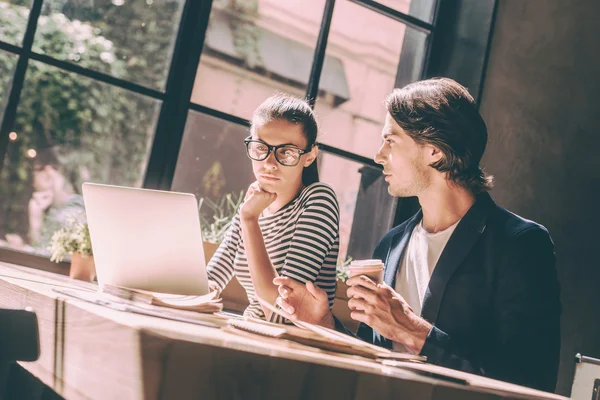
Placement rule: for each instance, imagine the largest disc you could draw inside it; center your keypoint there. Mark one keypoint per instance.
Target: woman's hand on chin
(255, 202)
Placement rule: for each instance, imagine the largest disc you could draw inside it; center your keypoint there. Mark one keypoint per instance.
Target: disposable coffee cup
(373, 269)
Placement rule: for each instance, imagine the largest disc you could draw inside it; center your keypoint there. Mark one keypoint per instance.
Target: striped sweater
(302, 240)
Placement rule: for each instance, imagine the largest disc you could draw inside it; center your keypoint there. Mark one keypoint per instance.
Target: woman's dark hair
(441, 112)
(296, 111)
(47, 156)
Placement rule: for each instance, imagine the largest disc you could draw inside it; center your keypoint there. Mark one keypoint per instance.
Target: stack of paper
(208, 303)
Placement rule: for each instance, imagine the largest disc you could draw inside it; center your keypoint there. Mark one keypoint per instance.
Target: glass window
(131, 39)
(212, 161)
(254, 48)
(13, 20)
(422, 9)
(366, 209)
(369, 46)
(69, 129)
(8, 63)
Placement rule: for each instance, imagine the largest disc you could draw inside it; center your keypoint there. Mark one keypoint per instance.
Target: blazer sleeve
(524, 347)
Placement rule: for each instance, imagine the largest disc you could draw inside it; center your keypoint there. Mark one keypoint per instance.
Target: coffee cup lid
(366, 263)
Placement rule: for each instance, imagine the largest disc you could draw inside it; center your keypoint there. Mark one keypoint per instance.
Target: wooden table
(92, 352)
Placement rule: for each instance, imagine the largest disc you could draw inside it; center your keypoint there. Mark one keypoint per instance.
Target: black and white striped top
(302, 240)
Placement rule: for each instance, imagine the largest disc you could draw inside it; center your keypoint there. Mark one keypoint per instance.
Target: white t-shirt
(420, 258)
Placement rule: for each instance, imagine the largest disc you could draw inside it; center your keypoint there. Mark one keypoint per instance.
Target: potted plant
(73, 240)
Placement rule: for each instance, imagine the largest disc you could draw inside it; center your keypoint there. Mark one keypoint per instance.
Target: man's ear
(433, 154)
(311, 156)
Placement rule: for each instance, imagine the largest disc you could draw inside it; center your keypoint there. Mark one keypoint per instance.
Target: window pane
(69, 129)
(13, 20)
(366, 208)
(422, 9)
(255, 48)
(132, 39)
(8, 63)
(212, 161)
(369, 46)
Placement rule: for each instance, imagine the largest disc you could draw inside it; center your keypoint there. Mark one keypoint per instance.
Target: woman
(288, 224)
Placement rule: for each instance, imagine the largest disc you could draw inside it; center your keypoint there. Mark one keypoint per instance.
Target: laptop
(146, 239)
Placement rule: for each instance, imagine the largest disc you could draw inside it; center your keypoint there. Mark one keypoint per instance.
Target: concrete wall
(541, 103)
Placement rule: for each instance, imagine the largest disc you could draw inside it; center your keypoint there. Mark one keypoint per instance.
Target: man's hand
(384, 310)
(255, 202)
(306, 303)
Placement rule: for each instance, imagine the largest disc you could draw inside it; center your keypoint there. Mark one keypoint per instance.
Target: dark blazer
(493, 297)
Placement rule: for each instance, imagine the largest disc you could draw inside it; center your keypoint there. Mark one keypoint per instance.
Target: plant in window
(342, 270)
(74, 237)
(221, 211)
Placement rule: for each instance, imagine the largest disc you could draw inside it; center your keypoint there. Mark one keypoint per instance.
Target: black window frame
(440, 55)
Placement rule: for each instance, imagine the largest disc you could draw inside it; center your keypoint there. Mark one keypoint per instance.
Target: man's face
(405, 163)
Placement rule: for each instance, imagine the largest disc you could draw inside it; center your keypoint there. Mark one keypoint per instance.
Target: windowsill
(25, 259)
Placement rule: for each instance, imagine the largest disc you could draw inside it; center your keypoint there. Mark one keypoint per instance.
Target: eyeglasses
(286, 154)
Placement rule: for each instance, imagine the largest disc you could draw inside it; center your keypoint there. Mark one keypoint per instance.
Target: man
(468, 284)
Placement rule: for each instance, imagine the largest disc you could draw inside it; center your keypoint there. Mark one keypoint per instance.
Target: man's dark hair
(441, 112)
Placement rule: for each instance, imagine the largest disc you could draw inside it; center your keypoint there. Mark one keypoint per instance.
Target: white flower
(107, 57)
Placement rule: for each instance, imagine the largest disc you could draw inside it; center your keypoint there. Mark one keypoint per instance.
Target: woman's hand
(40, 202)
(213, 287)
(255, 202)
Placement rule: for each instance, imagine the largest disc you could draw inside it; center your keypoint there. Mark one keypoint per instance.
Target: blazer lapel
(462, 240)
(397, 247)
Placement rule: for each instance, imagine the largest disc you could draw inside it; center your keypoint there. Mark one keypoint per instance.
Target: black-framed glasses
(286, 155)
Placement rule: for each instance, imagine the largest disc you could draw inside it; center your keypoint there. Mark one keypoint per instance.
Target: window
(421, 9)
(362, 222)
(212, 160)
(158, 93)
(13, 20)
(69, 129)
(369, 46)
(8, 62)
(253, 49)
(360, 67)
(131, 40)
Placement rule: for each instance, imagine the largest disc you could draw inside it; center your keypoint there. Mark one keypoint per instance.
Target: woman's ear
(311, 156)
